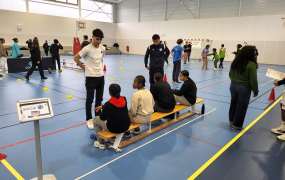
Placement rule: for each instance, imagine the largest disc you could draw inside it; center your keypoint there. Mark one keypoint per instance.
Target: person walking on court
(204, 56)
(281, 130)
(54, 50)
(243, 75)
(15, 48)
(222, 54)
(177, 53)
(36, 60)
(85, 42)
(46, 48)
(156, 53)
(29, 42)
(93, 56)
(3, 56)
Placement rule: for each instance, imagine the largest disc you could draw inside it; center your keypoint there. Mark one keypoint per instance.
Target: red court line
(42, 136)
(213, 84)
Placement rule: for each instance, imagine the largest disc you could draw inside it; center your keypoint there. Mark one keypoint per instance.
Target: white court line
(267, 82)
(141, 146)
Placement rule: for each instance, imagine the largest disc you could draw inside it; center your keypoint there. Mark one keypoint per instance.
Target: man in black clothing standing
(166, 54)
(54, 50)
(46, 47)
(85, 42)
(189, 51)
(29, 42)
(156, 53)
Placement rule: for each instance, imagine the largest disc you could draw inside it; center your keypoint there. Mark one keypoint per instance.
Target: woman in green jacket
(243, 76)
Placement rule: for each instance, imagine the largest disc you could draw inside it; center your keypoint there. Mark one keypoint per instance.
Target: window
(13, 5)
(96, 11)
(53, 8)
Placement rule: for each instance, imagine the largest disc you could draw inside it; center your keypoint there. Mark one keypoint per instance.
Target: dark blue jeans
(239, 103)
(188, 53)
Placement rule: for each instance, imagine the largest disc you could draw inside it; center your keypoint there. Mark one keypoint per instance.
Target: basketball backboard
(81, 24)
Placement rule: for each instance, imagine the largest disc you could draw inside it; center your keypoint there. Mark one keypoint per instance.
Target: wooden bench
(72, 63)
(107, 135)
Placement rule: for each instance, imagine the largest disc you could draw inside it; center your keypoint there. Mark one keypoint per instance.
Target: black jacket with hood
(84, 43)
(115, 111)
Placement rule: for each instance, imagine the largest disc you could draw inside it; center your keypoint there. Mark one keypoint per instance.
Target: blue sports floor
(173, 153)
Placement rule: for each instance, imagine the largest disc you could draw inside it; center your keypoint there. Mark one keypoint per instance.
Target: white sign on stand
(196, 44)
(35, 110)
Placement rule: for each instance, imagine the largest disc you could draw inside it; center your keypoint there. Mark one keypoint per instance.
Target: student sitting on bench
(187, 95)
(114, 116)
(141, 105)
(162, 95)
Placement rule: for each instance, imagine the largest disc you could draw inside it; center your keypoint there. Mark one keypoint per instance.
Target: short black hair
(223, 45)
(155, 37)
(1, 39)
(98, 33)
(85, 37)
(55, 41)
(207, 45)
(115, 90)
(239, 45)
(157, 76)
(141, 79)
(179, 41)
(215, 49)
(15, 39)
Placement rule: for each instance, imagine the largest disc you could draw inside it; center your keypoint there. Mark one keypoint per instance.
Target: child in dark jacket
(187, 94)
(114, 116)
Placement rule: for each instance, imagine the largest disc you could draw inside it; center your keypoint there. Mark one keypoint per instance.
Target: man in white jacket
(3, 55)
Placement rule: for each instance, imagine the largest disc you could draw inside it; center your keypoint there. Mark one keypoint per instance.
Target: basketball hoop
(283, 19)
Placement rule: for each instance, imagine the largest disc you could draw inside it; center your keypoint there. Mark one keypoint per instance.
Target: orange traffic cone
(2, 156)
(200, 60)
(165, 78)
(272, 95)
(105, 68)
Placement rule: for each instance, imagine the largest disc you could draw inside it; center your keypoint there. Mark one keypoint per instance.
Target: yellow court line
(202, 168)
(142, 145)
(12, 170)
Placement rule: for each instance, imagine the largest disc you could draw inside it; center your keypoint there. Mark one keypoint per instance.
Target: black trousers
(93, 84)
(221, 62)
(57, 58)
(176, 70)
(34, 65)
(152, 71)
(46, 52)
(166, 60)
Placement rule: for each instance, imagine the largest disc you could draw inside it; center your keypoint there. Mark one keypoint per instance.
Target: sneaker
(1, 75)
(100, 146)
(127, 134)
(168, 64)
(278, 130)
(112, 140)
(44, 77)
(27, 77)
(5, 69)
(90, 124)
(49, 70)
(59, 71)
(281, 137)
(178, 82)
(215, 69)
(136, 131)
(231, 123)
(203, 68)
(236, 128)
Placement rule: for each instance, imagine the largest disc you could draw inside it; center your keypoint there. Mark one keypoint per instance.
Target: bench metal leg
(149, 128)
(117, 142)
(175, 116)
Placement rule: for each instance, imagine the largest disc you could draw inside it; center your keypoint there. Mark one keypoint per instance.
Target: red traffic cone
(2, 156)
(272, 95)
(165, 78)
(200, 60)
(105, 68)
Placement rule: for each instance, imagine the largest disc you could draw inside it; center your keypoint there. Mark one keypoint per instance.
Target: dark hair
(164, 41)
(141, 79)
(179, 41)
(115, 90)
(186, 73)
(155, 37)
(1, 39)
(215, 49)
(245, 55)
(85, 37)
(35, 43)
(158, 76)
(223, 45)
(207, 45)
(239, 45)
(15, 39)
(98, 33)
(55, 41)
(91, 39)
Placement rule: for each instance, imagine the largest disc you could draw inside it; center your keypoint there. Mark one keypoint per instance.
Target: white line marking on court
(267, 82)
(141, 146)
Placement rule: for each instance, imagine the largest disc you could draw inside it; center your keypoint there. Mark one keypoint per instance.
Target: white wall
(49, 27)
(266, 32)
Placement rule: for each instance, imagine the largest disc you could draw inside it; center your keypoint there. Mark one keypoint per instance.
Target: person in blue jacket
(15, 48)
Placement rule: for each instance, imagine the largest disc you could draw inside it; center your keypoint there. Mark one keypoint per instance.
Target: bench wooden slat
(155, 116)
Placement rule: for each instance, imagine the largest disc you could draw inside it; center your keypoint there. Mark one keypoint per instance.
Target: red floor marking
(42, 136)
(213, 84)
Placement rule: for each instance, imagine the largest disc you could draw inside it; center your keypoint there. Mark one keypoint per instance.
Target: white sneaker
(215, 69)
(281, 137)
(90, 124)
(100, 146)
(278, 130)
